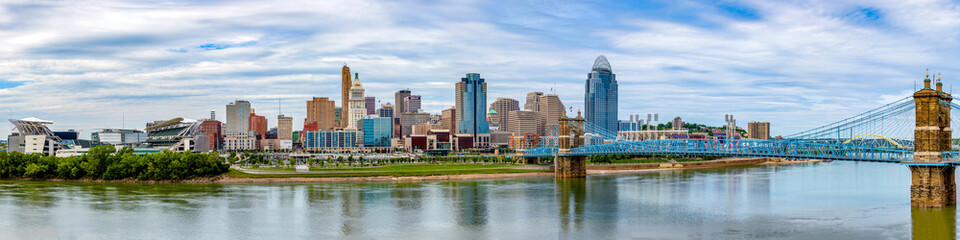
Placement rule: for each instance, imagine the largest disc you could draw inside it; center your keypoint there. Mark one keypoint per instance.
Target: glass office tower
(600, 99)
(472, 105)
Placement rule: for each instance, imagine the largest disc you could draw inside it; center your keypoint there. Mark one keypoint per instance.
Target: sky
(87, 65)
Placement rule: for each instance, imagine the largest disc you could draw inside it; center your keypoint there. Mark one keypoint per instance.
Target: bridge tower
(932, 182)
(565, 165)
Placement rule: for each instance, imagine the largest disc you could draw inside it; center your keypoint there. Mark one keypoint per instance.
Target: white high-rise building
(238, 135)
(358, 105)
(238, 117)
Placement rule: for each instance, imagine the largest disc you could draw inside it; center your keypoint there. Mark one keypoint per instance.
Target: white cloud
(799, 65)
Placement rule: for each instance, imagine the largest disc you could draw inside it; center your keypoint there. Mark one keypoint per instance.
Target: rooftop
(601, 64)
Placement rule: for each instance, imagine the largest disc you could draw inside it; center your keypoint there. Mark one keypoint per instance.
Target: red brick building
(258, 124)
(214, 131)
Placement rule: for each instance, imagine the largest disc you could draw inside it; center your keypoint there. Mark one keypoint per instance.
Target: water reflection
(934, 223)
(837, 200)
(352, 208)
(470, 202)
(571, 197)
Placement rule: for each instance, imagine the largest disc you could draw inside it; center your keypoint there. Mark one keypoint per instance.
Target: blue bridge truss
(883, 135)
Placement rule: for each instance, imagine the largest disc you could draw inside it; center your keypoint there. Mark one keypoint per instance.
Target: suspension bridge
(884, 134)
(913, 131)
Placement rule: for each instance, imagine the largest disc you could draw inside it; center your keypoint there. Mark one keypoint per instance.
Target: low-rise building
(330, 141)
(500, 139)
(407, 120)
(377, 131)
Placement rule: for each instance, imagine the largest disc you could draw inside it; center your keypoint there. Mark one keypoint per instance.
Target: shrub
(104, 162)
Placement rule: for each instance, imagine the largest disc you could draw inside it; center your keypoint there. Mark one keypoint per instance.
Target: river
(837, 200)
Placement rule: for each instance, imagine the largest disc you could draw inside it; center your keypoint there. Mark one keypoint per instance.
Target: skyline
(796, 65)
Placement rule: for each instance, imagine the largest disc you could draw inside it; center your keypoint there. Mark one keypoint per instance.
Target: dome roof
(601, 64)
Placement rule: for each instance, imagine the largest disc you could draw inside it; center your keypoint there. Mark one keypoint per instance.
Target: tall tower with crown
(357, 104)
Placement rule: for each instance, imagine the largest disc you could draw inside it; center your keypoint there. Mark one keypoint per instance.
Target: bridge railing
(951, 157)
(736, 147)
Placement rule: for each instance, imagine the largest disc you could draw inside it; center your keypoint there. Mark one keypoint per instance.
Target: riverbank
(295, 179)
(429, 172)
(491, 173)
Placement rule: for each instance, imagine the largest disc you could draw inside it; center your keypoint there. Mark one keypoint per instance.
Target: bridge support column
(932, 183)
(933, 186)
(570, 166)
(566, 165)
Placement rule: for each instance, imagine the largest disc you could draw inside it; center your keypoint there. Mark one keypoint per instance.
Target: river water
(837, 200)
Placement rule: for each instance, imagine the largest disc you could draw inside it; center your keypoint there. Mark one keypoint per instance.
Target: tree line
(108, 163)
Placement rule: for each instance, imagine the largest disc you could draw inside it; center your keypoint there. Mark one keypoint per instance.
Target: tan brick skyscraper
(345, 84)
(932, 182)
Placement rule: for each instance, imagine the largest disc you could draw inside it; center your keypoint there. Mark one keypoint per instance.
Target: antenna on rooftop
(554, 86)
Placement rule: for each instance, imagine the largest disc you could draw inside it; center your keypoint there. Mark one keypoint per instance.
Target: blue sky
(797, 64)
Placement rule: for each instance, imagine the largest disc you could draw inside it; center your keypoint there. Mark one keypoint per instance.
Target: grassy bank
(396, 170)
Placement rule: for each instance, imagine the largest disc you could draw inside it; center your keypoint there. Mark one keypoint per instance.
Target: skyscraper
(345, 84)
(398, 98)
(238, 117)
(503, 107)
(238, 134)
(411, 103)
(522, 122)
(407, 120)
(371, 105)
(678, 123)
(338, 114)
(284, 127)
(321, 115)
(357, 107)
(258, 124)
(600, 97)
(533, 101)
(759, 130)
(386, 110)
(471, 94)
(551, 109)
(448, 119)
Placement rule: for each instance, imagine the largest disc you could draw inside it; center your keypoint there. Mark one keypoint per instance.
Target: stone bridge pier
(565, 165)
(932, 183)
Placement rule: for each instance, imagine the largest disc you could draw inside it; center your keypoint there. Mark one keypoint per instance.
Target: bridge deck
(748, 148)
